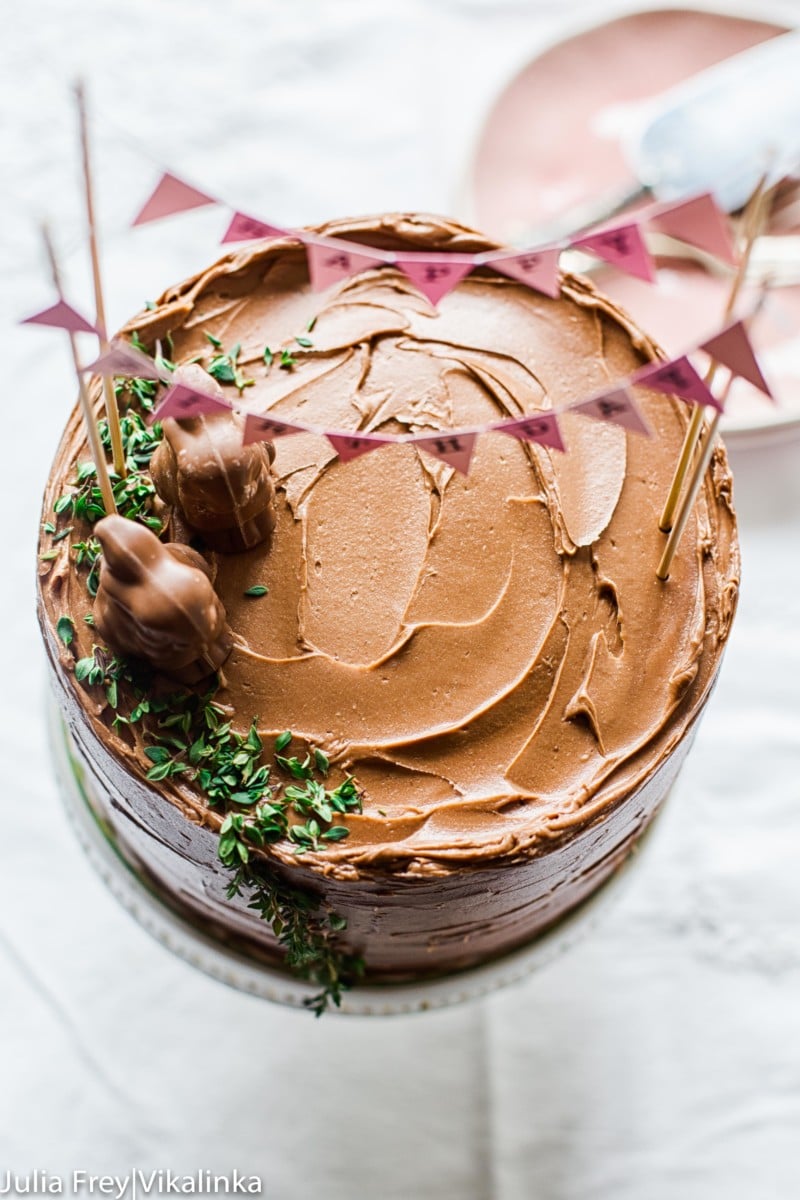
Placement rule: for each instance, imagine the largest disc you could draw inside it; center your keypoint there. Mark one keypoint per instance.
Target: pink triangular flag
(538, 427)
(121, 358)
(259, 428)
(697, 221)
(537, 268)
(455, 447)
(733, 349)
(61, 316)
(352, 445)
(677, 378)
(435, 274)
(171, 195)
(617, 406)
(329, 264)
(246, 229)
(623, 246)
(182, 402)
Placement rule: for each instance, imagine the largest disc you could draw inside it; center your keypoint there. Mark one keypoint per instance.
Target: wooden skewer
(695, 483)
(109, 395)
(98, 453)
(756, 222)
(751, 225)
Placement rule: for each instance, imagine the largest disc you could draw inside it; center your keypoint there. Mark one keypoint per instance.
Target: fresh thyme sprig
(224, 365)
(191, 737)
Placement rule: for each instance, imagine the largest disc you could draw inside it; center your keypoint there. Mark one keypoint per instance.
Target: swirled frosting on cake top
(491, 656)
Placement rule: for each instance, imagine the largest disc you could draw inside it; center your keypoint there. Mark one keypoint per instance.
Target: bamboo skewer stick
(109, 396)
(755, 223)
(751, 224)
(95, 443)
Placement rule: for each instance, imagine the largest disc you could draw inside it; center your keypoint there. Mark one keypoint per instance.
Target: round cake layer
(491, 656)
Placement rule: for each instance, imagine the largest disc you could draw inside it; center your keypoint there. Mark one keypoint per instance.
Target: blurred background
(661, 1056)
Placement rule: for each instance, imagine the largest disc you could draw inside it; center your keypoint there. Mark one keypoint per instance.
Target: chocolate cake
(489, 693)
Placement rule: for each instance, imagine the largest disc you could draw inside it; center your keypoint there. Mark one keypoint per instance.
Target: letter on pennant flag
(453, 447)
(171, 195)
(677, 378)
(121, 358)
(623, 246)
(537, 268)
(352, 445)
(732, 347)
(539, 427)
(61, 316)
(258, 428)
(182, 402)
(435, 274)
(617, 406)
(329, 264)
(697, 221)
(247, 229)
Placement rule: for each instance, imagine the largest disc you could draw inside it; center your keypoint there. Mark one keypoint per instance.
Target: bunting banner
(330, 263)
(452, 446)
(434, 274)
(622, 246)
(62, 316)
(732, 348)
(677, 378)
(123, 359)
(261, 428)
(352, 445)
(617, 406)
(536, 268)
(182, 402)
(539, 427)
(248, 229)
(698, 221)
(170, 196)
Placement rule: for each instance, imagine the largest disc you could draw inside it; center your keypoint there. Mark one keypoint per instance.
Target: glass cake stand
(196, 946)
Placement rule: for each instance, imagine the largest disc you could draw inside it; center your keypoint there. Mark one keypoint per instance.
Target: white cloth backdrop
(661, 1058)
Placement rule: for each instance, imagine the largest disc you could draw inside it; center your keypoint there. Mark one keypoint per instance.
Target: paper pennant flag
(258, 428)
(435, 274)
(329, 264)
(452, 446)
(351, 445)
(677, 378)
(537, 268)
(246, 229)
(171, 195)
(121, 358)
(698, 221)
(61, 316)
(539, 427)
(617, 406)
(733, 349)
(623, 246)
(182, 402)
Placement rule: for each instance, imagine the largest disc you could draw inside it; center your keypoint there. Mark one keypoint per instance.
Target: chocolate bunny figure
(156, 601)
(220, 488)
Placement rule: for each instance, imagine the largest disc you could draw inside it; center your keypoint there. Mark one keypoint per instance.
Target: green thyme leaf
(257, 589)
(66, 630)
(283, 740)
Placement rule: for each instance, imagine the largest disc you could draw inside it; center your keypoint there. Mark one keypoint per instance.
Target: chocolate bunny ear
(127, 548)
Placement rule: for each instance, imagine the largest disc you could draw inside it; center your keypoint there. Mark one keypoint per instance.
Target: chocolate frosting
(491, 656)
(219, 487)
(156, 602)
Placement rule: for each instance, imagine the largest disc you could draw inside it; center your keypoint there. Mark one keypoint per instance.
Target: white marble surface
(659, 1059)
